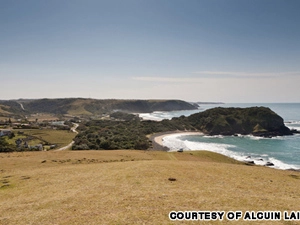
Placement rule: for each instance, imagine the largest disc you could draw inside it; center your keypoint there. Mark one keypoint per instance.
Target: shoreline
(157, 138)
(157, 145)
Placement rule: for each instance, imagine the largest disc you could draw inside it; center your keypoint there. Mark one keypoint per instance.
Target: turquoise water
(283, 152)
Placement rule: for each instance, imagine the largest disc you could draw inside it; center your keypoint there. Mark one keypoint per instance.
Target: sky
(194, 50)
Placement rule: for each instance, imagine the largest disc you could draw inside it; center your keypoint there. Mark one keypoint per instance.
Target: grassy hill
(9, 108)
(133, 187)
(82, 106)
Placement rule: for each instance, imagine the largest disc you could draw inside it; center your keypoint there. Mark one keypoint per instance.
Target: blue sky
(195, 50)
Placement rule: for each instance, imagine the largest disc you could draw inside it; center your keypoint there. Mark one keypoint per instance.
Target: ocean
(283, 152)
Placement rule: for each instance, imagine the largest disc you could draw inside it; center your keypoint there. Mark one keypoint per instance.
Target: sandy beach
(157, 139)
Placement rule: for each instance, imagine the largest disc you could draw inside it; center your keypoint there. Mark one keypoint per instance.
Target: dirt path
(69, 145)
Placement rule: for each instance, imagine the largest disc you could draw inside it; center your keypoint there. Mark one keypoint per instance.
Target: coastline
(157, 145)
(157, 138)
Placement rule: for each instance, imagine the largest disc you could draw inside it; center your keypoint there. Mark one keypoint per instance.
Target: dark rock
(294, 131)
(172, 179)
(269, 164)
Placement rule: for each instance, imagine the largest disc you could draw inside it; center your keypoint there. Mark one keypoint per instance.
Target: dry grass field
(133, 187)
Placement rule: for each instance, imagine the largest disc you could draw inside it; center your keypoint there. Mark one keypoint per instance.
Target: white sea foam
(156, 116)
(264, 149)
(161, 115)
(174, 143)
(214, 136)
(293, 124)
(281, 165)
(254, 137)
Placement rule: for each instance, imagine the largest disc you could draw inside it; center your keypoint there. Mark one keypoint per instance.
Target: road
(69, 145)
(22, 107)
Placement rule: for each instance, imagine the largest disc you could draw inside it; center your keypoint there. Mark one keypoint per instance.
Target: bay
(283, 152)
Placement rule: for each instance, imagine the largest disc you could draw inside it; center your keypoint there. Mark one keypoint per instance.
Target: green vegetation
(59, 138)
(123, 116)
(121, 130)
(5, 146)
(81, 106)
(259, 121)
(106, 134)
(33, 137)
(131, 134)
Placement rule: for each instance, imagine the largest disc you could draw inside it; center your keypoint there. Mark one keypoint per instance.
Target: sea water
(283, 152)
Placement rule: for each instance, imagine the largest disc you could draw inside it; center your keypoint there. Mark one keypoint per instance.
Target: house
(5, 133)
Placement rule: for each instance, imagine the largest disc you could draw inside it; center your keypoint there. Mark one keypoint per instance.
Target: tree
(12, 135)
(5, 146)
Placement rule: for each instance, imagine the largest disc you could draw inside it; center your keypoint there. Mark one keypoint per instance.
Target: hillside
(258, 121)
(133, 187)
(82, 106)
(10, 107)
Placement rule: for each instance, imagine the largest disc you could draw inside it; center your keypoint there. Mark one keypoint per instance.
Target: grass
(39, 116)
(3, 109)
(133, 187)
(78, 108)
(42, 117)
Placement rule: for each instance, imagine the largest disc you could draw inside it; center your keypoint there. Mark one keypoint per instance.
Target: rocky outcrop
(258, 121)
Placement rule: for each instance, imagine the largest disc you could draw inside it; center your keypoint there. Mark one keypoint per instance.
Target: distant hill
(82, 106)
(10, 107)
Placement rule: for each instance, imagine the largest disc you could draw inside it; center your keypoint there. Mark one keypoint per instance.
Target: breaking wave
(176, 142)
